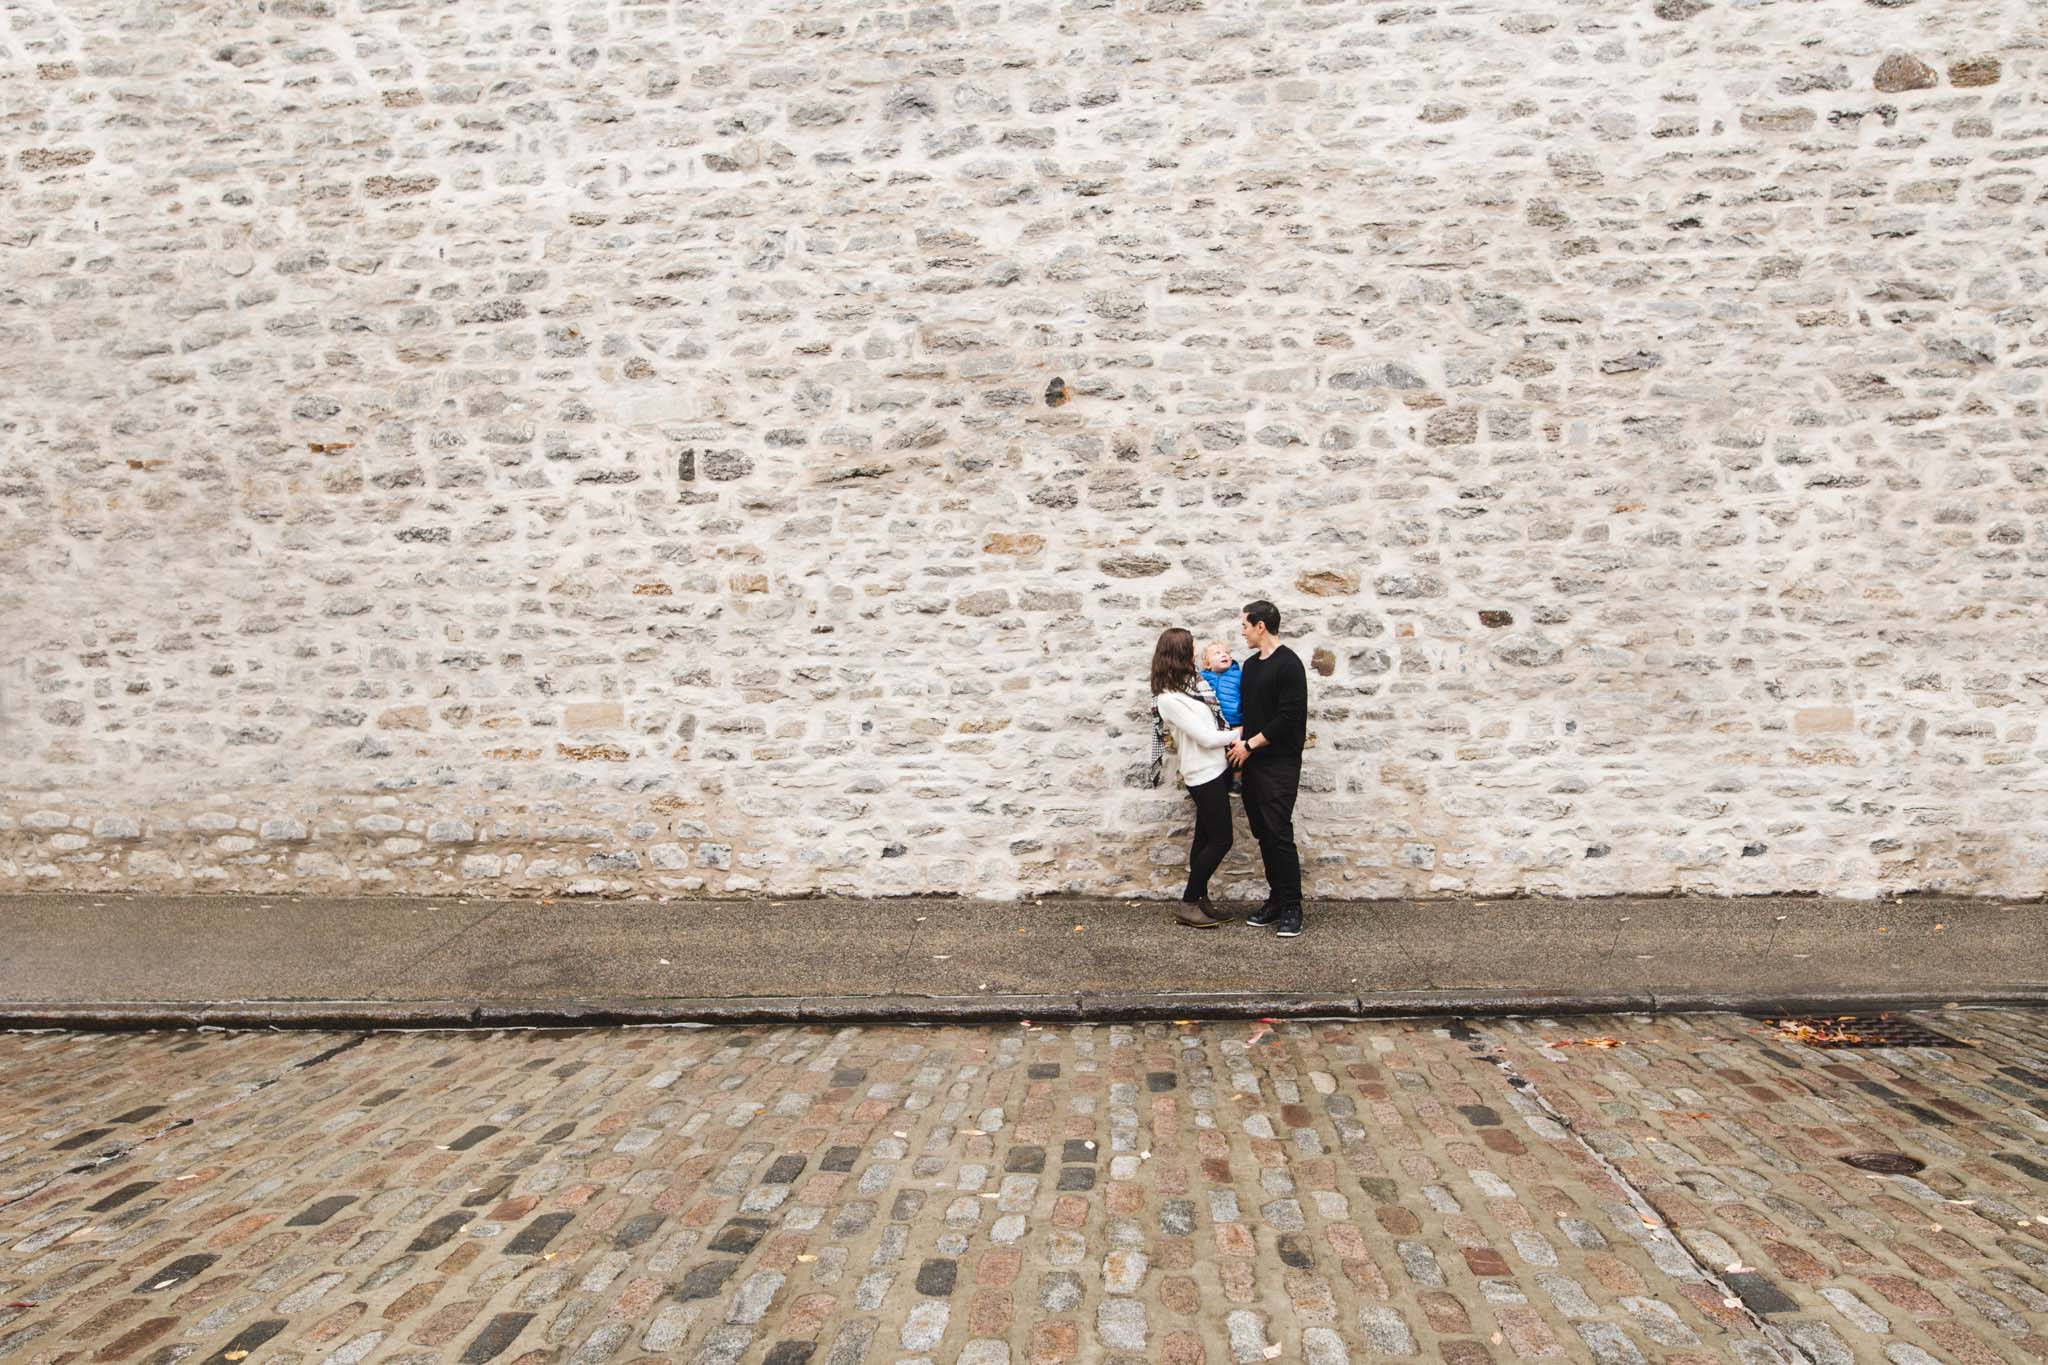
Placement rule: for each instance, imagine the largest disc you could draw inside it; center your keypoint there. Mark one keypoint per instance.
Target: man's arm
(1290, 701)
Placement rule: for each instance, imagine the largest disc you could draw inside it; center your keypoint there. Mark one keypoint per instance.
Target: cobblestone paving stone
(1316, 1191)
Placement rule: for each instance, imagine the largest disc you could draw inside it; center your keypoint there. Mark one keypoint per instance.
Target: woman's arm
(1192, 724)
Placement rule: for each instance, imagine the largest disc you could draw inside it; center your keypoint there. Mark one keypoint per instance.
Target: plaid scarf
(1203, 693)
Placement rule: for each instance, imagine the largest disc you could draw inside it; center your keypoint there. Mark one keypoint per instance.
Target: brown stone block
(1444, 1312)
(1234, 1239)
(601, 753)
(1901, 72)
(442, 1328)
(582, 717)
(1054, 1342)
(1397, 1220)
(1974, 71)
(1789, 120)
(412, 1300)
(55, 158)
(1019, 543)
(1327, 583)
(1484, 1261)
(135, 1339)
(1452, 427)
(989, 1312)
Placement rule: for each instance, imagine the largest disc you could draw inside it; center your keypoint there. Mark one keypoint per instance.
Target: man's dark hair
(1263, 613)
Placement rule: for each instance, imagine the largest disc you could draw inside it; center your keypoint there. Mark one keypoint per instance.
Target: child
(1224, 677)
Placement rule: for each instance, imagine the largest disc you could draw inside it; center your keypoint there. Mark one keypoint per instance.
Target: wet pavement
(1615, 1189)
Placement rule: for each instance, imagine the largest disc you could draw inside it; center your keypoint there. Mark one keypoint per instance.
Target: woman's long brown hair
(1173, 661)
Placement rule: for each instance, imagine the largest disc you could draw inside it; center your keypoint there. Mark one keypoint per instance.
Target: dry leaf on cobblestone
(1586, 1042)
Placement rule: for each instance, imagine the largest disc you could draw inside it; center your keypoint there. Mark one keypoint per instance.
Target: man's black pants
(1270, 786)
(1212, 833)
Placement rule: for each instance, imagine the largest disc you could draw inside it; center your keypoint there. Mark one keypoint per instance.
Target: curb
(1097, 1007)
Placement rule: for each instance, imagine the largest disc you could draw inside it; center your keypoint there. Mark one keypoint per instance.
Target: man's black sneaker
(1266, 918)
(1290, 926)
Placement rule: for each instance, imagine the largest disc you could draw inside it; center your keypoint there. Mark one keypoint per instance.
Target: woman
(1188, 710)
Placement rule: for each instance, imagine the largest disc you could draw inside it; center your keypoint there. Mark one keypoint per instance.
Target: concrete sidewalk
(146, 961)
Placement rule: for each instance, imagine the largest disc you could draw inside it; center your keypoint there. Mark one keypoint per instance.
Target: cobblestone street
(1615, 1189)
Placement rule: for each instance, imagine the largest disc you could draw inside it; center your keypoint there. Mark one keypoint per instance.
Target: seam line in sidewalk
(1653, 1218)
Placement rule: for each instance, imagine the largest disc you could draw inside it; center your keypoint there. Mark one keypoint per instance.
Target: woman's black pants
(1212, 833)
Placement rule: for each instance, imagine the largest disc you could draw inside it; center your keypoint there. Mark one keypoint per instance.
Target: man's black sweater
(1275, 704)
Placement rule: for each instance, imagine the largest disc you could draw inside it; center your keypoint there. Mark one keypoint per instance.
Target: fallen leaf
(1272, 1352)
(236, 1355)
(1793, 1031)
(806, 1257)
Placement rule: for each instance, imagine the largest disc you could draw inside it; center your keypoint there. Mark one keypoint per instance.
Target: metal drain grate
(1858, 1030)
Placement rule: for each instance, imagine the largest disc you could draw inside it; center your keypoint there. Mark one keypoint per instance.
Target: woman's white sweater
(1200, 744)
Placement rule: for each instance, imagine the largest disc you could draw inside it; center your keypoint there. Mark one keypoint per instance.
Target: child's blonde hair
(1211, 646)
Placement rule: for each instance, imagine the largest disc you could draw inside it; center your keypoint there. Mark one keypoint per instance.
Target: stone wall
(751, 446)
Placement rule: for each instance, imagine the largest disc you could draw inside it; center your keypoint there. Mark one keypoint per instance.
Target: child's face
(1215, 657)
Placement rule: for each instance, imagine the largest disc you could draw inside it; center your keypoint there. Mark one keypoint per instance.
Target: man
(1274, 701)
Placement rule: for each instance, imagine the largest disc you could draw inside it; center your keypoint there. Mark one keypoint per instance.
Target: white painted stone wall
(605, 447)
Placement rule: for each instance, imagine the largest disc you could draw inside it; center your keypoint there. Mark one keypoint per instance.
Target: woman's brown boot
(1195, 914)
